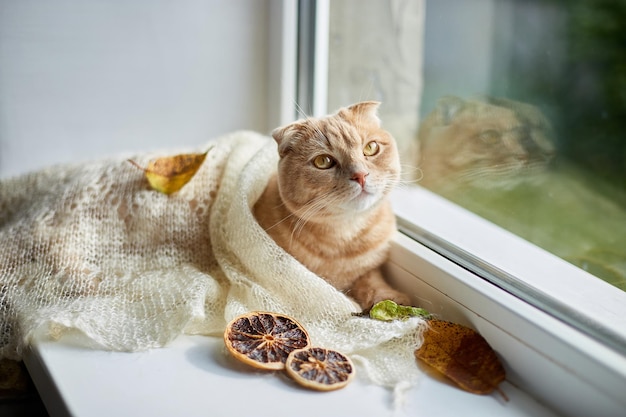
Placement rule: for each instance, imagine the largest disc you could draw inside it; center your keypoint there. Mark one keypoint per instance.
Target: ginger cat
(327, 204)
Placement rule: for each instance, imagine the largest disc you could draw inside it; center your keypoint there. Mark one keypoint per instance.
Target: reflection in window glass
(513, 109)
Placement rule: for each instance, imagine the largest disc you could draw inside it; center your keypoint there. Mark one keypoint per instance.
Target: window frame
(564, 349)
(501, 258)
(558, 364)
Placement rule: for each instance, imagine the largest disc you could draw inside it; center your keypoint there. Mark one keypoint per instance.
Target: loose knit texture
(91, 248)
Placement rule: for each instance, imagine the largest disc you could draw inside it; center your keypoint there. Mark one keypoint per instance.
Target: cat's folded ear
(282, 136)
(365, 110)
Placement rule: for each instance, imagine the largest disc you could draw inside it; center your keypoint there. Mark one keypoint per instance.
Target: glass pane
(514, 109)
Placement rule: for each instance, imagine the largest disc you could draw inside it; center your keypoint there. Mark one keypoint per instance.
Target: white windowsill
(194, 376)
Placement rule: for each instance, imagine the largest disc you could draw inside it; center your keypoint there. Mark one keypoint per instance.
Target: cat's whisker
(300, 111)
(391, 181)
(314, 206)
(308, 212)
(412, 171)
(318, 204)
(319, 132)
(275, 208)
(312, 121)
(402, 184)
(280, 221)
(303, 214)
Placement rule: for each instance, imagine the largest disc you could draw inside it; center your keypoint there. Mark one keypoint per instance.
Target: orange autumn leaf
(462, 355)
(169, 174)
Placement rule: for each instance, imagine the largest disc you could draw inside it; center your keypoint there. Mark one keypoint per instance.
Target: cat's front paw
(395, 296)
(369, 297)
(372, 288)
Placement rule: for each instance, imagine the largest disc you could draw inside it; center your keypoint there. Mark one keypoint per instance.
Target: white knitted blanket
(91, 248)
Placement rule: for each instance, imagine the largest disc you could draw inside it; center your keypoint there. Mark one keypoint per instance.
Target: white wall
(81, 79)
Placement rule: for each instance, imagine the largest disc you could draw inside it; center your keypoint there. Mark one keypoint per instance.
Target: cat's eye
(323, 162)
(371, 149)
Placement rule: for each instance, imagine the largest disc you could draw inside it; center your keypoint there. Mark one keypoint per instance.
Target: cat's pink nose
(359, 177)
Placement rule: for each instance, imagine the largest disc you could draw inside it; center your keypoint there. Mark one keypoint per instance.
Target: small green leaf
(388, 310)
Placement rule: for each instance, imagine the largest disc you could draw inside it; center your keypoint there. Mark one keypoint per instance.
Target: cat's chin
(363, 201)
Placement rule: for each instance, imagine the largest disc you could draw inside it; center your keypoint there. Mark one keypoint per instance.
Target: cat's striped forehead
(350, 128)
(333, 131)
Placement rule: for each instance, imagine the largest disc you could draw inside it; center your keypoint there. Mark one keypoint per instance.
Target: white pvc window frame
(557, 363)
(299, 73)
(567, 348)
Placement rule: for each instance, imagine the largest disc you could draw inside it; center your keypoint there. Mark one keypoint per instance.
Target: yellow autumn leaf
(169, 174)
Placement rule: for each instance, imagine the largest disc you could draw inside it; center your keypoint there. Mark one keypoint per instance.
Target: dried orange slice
(319, 368)
(264, 340)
